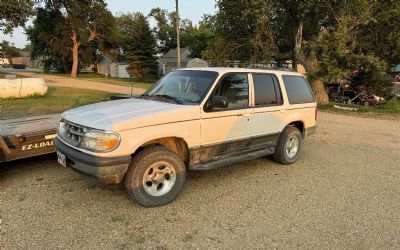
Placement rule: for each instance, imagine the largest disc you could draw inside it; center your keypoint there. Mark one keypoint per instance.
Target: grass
(118, 218)
(392, 107)
(56, 100)
(111, 80)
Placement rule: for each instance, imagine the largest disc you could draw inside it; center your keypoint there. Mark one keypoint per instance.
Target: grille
(73, 133)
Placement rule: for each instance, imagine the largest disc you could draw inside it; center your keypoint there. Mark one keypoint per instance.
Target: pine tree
(140, 46)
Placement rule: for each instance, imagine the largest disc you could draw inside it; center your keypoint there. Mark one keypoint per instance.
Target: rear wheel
(288, 149)
(155, 177)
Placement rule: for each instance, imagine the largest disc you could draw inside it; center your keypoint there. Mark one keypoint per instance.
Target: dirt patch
(343, 193)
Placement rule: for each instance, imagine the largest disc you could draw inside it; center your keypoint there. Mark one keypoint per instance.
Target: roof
(25, 54)
(172, 53)
(223, 70)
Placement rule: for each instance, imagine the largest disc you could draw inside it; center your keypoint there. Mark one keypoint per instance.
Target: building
(113, 68)
(24, 58)
(169, 60)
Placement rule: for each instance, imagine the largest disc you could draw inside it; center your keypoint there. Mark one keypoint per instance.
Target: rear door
(268, 111)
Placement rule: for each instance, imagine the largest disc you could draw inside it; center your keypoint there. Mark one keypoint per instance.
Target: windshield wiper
(169, 97)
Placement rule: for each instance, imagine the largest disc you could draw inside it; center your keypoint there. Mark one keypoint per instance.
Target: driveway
(59, 81)
(343, 193)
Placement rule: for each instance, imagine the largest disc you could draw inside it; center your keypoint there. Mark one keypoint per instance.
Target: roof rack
(269, 66)
(272, 68)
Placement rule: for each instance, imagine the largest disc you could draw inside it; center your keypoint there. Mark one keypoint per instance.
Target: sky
(190, 9)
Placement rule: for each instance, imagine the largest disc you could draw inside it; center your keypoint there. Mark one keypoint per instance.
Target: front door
(226, 131)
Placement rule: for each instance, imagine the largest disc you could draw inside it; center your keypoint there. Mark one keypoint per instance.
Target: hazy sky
(191, 9)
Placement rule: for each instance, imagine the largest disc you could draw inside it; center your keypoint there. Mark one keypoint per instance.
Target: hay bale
(24, 87)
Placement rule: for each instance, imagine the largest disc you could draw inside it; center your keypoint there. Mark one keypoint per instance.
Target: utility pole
(178, 42)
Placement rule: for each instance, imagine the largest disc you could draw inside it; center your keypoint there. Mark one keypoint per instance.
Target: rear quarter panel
(297, 112)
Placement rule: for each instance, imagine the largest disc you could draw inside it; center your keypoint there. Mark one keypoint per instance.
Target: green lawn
(111, 80)
(392, 107)
(56, 100)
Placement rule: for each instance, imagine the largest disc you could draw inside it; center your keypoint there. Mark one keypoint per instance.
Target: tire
(281, 154)
(155, 176)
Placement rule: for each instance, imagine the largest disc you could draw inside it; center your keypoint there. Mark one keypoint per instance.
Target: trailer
(27, 137)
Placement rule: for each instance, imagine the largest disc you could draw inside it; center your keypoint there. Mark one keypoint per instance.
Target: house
(111, 67)
(169, 60)
(114, 68)
(24, 58)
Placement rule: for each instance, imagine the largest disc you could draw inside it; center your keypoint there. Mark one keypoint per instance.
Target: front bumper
(106, 170)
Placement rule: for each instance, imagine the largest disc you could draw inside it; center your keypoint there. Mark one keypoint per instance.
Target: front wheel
(155, 177)
(288, 149)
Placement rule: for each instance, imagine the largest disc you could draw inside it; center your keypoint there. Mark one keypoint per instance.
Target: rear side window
(297, 89)
(266, 90)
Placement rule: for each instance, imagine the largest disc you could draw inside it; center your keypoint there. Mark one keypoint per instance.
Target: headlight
(99, 141)
(62, 129)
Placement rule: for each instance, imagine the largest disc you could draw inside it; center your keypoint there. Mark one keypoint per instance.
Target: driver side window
(235, 88)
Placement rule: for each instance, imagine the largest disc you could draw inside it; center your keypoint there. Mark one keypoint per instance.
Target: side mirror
(218, 102)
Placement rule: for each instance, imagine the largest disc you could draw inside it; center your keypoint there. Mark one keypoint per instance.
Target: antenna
(131, 87)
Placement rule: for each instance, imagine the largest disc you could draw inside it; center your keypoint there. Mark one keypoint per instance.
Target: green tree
(197, 38)
(193, 37)
(243, 32)
(75, 26)
(165, 29)
(363, 45)
(139, 45)
(299, 26)
(50, 42)
(9, 50)
(14, 13)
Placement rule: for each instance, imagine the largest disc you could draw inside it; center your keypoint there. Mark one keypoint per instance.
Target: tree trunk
(310, 64)
(75, 55)
(319, 92)
(297, 46)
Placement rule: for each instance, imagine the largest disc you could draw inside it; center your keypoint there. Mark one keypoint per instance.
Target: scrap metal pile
(354, 95)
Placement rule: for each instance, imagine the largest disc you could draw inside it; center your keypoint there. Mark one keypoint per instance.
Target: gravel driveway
(343, 193)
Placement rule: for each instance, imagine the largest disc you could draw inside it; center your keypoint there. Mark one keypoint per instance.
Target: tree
(363, 45)
(298, 27)
(75, 26)
(87, 21)
(165, 29)
(193, 37)
(9, 50)
(139, 45)
(243, 32)
(197, 38)
(14, 13)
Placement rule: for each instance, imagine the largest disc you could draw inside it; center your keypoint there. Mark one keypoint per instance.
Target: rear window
(266, 91)
(297, 89)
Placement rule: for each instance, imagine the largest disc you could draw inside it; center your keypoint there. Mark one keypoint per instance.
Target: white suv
(192, 119)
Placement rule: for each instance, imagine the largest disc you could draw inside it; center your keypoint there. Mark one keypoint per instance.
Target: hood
(129, 113)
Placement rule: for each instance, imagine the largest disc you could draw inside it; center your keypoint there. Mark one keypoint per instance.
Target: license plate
(62, 159)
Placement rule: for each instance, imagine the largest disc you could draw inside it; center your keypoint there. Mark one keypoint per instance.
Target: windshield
(184, 85)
